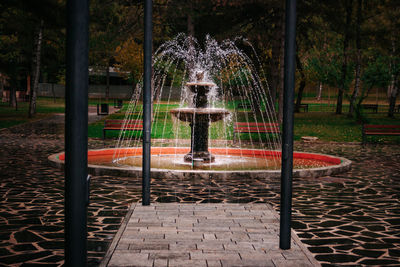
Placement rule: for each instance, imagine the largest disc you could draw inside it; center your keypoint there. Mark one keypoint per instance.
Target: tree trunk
(275, 56)
(364, 94)
(301, 86)
(3, 82)
(282, 70)
(392, 98)
(342, 86)
(339, 101)
(36, 70)
(13, 97)
(1, 87)
(319, 95)
(281, 85)
(53, 92)
(358, 65)
(28, 84)
(108, 81)
(393, 89)
(133, 88)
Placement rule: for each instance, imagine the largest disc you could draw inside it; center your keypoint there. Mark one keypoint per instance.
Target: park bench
(255, 127)
(374, 107)
(372, 129)
(117, 125)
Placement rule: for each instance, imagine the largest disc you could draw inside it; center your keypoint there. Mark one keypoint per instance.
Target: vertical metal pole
(76, 123)
(147, 47)
(287, 136)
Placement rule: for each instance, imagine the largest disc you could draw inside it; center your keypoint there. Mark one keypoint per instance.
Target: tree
(309, 28)
(23, 23)
(302, 84)
(383, 29)
(106, 34)
(325, 66)
(9, 65)
(393, 23)
(42, 13)
(14, 48)
(36, 67)
(358, 59)
(260, 21)
(343, 85)
(129, 58)
(375, 74)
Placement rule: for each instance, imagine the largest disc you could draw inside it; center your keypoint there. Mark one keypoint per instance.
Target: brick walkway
(203, 235)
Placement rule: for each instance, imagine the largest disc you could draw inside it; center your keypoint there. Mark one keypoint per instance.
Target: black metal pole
(76, 123)
(287, 136)
(147, 46)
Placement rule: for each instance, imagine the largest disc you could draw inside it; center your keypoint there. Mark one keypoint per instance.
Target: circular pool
(168, 161)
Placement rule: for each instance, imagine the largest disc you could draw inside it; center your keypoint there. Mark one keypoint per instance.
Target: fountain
(199, 94)
(200, 115)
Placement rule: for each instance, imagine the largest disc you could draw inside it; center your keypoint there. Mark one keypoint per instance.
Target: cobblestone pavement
(349, 219)
(218, 234)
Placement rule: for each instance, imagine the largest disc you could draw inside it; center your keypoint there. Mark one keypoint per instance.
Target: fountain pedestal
(199, 143)
(199, 116)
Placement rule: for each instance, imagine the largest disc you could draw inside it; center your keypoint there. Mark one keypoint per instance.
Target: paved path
(203, 235)
(350, 219)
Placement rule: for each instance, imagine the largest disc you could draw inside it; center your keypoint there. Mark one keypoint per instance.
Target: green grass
(340, 128)
(45, 106)
(325, 125)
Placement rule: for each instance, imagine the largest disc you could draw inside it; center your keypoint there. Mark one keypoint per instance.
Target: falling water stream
(235, 86)
(225, 81)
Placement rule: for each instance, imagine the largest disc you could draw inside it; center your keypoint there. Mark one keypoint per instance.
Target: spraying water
(202, 93)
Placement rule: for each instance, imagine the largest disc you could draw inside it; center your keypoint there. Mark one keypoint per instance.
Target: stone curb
(117, 236)
(344, 166)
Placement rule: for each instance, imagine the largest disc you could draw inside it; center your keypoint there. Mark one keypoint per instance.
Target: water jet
(197, 98)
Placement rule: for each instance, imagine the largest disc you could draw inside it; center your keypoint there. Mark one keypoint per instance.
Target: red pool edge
(339, 164)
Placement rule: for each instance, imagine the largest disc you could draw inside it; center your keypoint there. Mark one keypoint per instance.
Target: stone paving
(352, 219)
(203, 235)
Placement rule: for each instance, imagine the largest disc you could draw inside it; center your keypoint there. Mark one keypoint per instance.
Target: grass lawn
(340, 128)
(325, 125)
(44, 107)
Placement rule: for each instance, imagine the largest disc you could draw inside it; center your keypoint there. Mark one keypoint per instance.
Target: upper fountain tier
(200, 90)
(199, 109)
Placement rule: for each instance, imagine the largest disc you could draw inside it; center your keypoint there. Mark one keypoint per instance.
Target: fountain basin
(199, 114)
(100, 162)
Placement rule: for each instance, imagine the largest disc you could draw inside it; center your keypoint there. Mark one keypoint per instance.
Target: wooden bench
(374, 107)
(372, 129)
(255, 127)
(117, 125)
